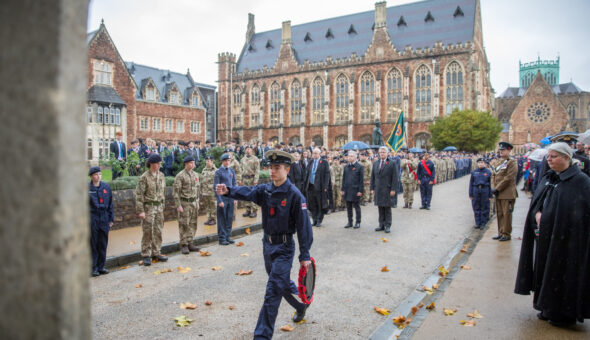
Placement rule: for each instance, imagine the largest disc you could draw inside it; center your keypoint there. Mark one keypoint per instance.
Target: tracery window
(103, 72)
(367, 94)
(342, 93)
(317, 100)
(237, 107)
(255, 105)
(454, 83)
(295, 102)
(571, 111)
(275, 104)
(394, 94)
(423, 108)
(340, 141)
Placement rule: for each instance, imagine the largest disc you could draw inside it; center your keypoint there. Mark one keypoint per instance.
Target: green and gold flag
(396, 138)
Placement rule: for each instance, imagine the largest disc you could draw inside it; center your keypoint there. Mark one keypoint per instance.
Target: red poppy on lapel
(101, 200)
(353, 169)
(284, 203)
(105, 191)
(386, 162)
(272, 211)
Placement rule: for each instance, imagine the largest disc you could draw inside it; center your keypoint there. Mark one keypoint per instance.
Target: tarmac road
(349, 285)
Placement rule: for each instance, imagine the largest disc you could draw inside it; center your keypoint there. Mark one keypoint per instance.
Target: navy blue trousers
(225, 218)
(481, 205)
(99, 238)
(278, 260)
(425, 193)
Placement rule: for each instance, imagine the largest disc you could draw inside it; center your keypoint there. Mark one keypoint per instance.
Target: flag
(396, 138)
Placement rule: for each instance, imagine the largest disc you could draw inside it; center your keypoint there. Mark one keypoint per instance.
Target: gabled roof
(417, 33)
(567, 88)
(513, 92)
(104, 94)
(90, 36)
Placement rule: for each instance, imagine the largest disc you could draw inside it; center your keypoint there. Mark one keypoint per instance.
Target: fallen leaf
(442, 271)
(140, 263)
(435, 286)
(205, 253)
(449, 311)
(244, 272)
(247, 231)
(385, 269)
(466, 267)
(414, 310)
(382, 311)
(239, 244)
(475, 314)
(125, 267)
(244, 254)
(182, 321)
(183, 270)
(131, 242)
(464, 249)
(215, 268)
(139, 285)
(468, 323)
(421, 305)
(400, 319)
(287, 328)
(231, 307)
(163, 270)
(384, 240)
(208, 303)
(428, 291)
(188, 305)
(155, 260)
(431, 306)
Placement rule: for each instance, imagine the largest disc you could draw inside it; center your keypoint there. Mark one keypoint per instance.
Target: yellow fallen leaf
(183, 270)
(215, 268)
(139, 285)
(428, 291)
(475, 315)
(244, 272)
(468, 323)
(435, 286)
(125, 267)
(384, 240)
(287, 328)
(239, 244)
(188, 305)
(208, 303)
(244, 254)
(449, 311)
(399, 319)
(442, 271)
(466, 267)
(247, 231)
(382, 311)
(464, 249)
(431, 306)
(163, 270)
(414, 310)
(385, 269)
(182, 321)
(205, 253)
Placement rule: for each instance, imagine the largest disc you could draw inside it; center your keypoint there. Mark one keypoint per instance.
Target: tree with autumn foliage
(467, 130)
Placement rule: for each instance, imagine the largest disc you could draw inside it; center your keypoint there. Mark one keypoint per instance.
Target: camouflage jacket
(234, 164)
(250, 167)
(150, 188)
(367, 167)
(207, 177)
(186, 185)
(409, 168)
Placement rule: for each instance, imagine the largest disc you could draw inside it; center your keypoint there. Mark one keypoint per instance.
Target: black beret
(298, 145)
(189, 159)
(480, 159)
(154, 158)
(208, 157)
(505, 146)
(93, 170)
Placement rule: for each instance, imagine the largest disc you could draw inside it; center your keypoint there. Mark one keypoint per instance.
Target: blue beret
(93, 170)
(189, 159)
(154, 158)
(224, 157)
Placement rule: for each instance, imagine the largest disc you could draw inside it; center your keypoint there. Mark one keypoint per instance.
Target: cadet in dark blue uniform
(225, 205)
(284, 212)
(480, 193)
(101, 219)
(426, 176)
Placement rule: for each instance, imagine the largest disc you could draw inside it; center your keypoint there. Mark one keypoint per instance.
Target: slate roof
(417, 33)
(567, 88)
(90, 36)
(104, 94)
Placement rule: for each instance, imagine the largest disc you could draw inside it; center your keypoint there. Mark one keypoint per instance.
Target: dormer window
(174, 98)
(103, 72)
(307, 37)
(458, 12)
(329, 34)
(401, 22)
(429, 17)
(150, 93)
(195, 100)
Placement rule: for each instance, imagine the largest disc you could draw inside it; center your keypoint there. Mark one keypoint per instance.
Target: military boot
(193, 248)
(184, 250)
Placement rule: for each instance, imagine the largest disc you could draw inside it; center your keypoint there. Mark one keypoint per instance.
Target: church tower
(548, 68)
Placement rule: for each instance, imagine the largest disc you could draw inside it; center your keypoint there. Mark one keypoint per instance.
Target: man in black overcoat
(384, 183)
(317, 180)
(353, 188)
(295, 174)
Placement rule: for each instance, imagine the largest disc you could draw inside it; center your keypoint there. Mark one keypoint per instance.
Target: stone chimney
(250, 30)
(286, 32)
(380, 14)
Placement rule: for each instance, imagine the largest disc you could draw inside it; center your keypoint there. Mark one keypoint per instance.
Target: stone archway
(422, 140)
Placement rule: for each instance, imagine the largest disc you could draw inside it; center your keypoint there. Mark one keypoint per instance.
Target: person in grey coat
(384, 181)
(353, 188)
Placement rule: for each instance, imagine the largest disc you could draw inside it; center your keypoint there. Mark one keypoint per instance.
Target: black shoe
(504, 238)
(319, 224)
(315, 223)
(380, 228)
(357, 225)
(348, 225)
(246, 214)
(95, 273)
(103, 271)
(395, 206)
(541, 317)
(387, 230)
(147, 261)
(231, 241)
(252, 215)
(427, 208)
(476, 226)
(224, 243)
(497, 237)
(193, 248)
(562, 323)
(161, 258)
(298, 317)
(422, 207)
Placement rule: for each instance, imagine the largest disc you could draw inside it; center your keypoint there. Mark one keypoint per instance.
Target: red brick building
(329, 81)
(141, 101)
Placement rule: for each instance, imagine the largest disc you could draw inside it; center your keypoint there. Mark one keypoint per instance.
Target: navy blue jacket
(101, 205)
(352, 181)
(225, 176)
(284, 211)
(423, 174)
(480, 177)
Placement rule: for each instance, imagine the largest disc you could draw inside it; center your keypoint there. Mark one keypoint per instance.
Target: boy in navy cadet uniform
(101, 219)
(284, 212)
(225, 205)
(426, 176)
(480, 193)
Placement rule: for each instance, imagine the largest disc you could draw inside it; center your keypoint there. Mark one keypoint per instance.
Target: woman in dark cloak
(555, 254)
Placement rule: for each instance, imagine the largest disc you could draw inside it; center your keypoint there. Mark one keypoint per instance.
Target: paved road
(350, 282)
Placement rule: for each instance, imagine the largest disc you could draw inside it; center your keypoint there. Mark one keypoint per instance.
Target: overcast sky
(188, 34)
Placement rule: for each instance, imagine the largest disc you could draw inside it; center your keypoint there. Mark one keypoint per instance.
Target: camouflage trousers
(151, 240)
(409, 189)
(367, 194)
(251, 207)
(210, 205)
(187, 222)
(337, 197)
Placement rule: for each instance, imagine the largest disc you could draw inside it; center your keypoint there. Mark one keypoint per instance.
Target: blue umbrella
(450, 148)
(545, 141)
(416, 150)
(355, 145)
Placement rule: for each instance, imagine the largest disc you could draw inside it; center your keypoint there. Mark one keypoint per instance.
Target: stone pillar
(44, 237)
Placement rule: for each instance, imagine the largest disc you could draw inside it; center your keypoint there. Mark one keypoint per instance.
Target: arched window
(571, 111)
(295, 102)
(367, 97)
(341, 98)
(237, 107)
(394, 94)
(423, 94)
(340, 141)
(317, 100)
(255, 105)
(318, 140)
(275, 104)
(295, 140)
(99, 120)
(421, 140)
(454, 83)
(118, 116)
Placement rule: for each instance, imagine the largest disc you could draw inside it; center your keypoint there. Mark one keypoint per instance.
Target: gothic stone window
(539, 112)
(157, 124)
(318, 140)
(295, 102)
(103, 72)
(255, 105)
(144, 124)
(340, 141)
(367, 97)
(275, 104)
(174, 97)
(99, 116)
(237, 107)
(571, 111)
(317, 100)
(423, 93)
(454, 83)
(150, 93)
(421, 140)
(195, 99)
(341, 99)
(394, 93)
(195, 127)
(168, 127)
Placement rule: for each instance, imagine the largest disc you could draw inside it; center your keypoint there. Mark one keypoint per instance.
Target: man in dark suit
(316, 186)
(119, 151)
(384, 182)
(353, 188)
(296, 174)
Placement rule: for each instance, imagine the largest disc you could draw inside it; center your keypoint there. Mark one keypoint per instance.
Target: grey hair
(384, 147)
(352, 153)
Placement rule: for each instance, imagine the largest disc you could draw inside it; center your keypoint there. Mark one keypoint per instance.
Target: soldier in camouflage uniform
(451, 168)
(186, 200)
(208, 199)
(250, 170)
(338, 169)
(409, 179)
(442, 169)
(235, 164)
(367, 167)
(149, 204)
